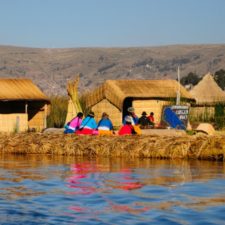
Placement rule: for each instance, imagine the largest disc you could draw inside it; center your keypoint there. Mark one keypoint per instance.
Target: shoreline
(202, 147)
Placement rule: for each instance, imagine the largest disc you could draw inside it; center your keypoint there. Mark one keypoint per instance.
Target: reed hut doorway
(7, 107)
(126, 104)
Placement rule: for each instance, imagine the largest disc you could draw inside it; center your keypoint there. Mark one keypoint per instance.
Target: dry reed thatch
(72, 90)
(207, 92)
(20, 89)
(74, 105)
(183, 147)
(117, 90)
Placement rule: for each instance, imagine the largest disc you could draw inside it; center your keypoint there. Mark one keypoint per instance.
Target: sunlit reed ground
(143, 146)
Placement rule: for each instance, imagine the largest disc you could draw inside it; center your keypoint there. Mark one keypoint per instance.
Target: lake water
(67, 190)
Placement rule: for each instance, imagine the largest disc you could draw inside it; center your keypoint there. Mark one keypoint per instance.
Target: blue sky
(111, 23)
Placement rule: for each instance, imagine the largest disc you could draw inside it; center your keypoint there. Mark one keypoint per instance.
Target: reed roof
(116, 91)
(20, 89)
(207, 92)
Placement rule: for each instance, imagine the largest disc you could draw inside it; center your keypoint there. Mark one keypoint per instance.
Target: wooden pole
(26, 107)
(45, 115)
(178, 89)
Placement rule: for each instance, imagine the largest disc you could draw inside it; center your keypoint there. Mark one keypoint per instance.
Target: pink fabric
(76, 122)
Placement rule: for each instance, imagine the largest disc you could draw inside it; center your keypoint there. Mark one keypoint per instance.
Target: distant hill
(51, 68)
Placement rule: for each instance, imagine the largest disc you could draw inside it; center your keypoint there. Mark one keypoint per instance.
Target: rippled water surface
(59, 190)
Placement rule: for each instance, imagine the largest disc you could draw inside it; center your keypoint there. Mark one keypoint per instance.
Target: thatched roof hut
(207, 92)
(22, 105)
(207, 95)
(115, 96)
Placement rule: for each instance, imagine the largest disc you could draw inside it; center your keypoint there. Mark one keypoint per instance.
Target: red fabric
(125, 129)
(84, 131)
(151, 118)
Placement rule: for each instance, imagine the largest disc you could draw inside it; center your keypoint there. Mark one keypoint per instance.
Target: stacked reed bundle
(74, 105)
(154, 146)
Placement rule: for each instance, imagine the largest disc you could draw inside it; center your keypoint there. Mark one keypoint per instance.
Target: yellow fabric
(137, 129)
(105, 132)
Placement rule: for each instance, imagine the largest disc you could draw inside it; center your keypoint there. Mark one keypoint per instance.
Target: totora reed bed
(143, 146)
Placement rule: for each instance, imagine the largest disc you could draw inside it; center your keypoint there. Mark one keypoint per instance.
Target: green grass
(58, 111)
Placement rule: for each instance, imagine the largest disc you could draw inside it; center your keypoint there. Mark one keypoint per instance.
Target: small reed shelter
(73, 103)
(207, 95)
(115, 96)
(22, 106)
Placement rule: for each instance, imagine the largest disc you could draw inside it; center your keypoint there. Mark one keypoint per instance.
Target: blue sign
(176, 116)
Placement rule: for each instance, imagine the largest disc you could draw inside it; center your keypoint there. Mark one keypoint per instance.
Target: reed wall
(155, 106)
(38, 121)
(114, 113)
(14, 122)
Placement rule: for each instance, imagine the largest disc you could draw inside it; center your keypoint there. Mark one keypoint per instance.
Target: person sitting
(74, 124)
(105, 126)
(127, 128)
(88, 125)
(133, 116)
(144, 121)
(151, 119)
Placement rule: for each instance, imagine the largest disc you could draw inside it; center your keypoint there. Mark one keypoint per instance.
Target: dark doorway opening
(126, 104)
(34, 108)
(12, 107)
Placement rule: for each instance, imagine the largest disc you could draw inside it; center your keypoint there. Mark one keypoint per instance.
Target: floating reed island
(143, 146)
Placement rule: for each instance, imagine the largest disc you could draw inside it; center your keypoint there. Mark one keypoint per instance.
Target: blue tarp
(172, 119)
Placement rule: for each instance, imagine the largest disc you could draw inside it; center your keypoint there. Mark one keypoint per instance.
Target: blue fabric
(66, 126)
(89, 122)
(68, 131)
(173, 120)
(105, 123)
(135, 120)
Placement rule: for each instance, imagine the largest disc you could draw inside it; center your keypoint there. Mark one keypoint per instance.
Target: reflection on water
(66, 190)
